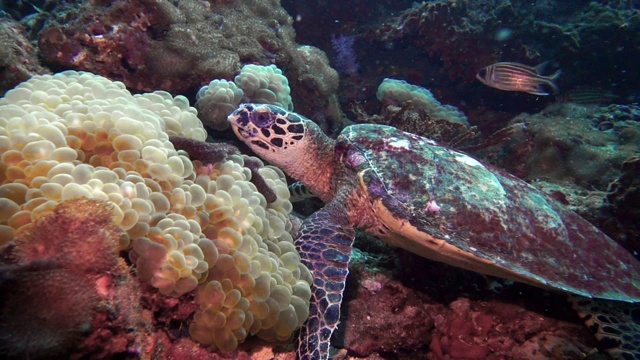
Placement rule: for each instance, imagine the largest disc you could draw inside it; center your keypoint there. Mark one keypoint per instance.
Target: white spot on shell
(399, 143)
(432, 207)
(468, 160)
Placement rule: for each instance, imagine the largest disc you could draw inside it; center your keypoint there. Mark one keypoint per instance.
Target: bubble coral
(209, 153)
(392, 91)
(76, 134)
(188, 224)
(264, 85)
(216, 101)
(258, 284)
(255, 83)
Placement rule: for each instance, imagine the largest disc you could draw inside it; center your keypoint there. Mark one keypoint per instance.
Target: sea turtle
(436, 202)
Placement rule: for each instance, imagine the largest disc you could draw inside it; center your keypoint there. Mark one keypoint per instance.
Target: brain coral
(189, 225)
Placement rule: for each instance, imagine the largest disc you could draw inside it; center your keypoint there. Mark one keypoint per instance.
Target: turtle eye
(263, 118)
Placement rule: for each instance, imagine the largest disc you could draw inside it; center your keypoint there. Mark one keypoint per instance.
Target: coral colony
(135, 224)
(212, 233)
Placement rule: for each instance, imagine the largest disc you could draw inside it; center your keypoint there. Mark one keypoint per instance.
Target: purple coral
(346, 61)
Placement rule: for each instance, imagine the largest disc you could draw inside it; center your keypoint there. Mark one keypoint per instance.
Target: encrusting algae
(187, 225)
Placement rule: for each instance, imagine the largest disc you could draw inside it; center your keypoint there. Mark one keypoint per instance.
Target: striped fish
(587, 95)
(512, 76)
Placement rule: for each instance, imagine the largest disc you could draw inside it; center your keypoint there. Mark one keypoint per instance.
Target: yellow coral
(75, 134)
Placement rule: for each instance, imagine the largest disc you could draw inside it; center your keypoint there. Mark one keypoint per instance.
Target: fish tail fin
(552, 81)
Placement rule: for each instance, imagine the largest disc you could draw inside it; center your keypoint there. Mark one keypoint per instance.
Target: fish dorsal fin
(540, 67)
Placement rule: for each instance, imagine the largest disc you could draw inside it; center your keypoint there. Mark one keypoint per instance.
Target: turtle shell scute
(486, 212)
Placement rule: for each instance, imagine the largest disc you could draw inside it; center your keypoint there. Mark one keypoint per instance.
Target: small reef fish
(587, 95)
(512, 76)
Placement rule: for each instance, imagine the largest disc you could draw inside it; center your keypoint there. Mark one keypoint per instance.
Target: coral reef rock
(181, 46)
(18, 59)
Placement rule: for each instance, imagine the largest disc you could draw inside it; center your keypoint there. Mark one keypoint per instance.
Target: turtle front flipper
(299, 192)
(324, 243)
(616, 324)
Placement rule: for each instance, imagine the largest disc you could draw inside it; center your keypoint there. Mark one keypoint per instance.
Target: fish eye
(262, 118)
(482, 72)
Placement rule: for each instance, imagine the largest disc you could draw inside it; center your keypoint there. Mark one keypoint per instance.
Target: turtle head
(270, 131)
(290, 141)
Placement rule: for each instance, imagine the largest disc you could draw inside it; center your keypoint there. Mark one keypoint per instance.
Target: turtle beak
(239, 117)
(240, 123)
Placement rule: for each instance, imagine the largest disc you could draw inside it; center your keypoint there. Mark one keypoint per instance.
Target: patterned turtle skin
(436, 202)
